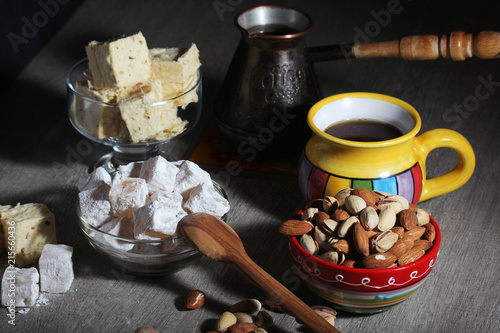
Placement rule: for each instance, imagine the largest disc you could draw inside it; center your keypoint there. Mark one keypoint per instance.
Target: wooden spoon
(218, 241)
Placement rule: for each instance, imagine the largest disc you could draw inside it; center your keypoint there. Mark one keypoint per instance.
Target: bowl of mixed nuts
(364, 251)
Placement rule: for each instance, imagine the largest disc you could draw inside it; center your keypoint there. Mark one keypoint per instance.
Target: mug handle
(446, 138)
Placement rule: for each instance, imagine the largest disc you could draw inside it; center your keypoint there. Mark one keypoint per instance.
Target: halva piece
(34, 227)
(56, 268)
(98, 119)
(20, 287)
(2, 241)
(119, 63)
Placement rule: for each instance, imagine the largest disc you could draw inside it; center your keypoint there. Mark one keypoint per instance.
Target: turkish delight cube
(189, 176)
(93, 179)
(159, 218)
(20, 287)
(205, 199)
(95, 207)
(122, 227)
(127, 194)
(56, 268)
(132, 169)
(34, 226)
(159, 174)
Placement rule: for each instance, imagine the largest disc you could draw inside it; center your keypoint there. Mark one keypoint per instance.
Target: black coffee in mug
(364, 130)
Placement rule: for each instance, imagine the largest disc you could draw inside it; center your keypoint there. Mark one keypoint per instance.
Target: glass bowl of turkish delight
(131, 216)
(134, 98)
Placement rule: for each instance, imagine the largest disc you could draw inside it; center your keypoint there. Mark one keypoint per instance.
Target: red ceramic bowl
(361, 278)
(363, 290)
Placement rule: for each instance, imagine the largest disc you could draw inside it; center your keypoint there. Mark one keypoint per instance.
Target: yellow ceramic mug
(396, 166)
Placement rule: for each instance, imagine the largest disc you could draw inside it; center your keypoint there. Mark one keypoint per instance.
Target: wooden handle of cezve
(457, 46)
(290, 303)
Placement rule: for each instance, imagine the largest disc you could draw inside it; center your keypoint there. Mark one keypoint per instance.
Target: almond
(401, 247)
(398, 230)
(410, 256)
(361, 241)
(295, 228)
(407, 219)
(340, 215)
(378, 260)
(430, 232)
(319, 217)
(195, 299)
(414, 233)
(242, 328)
(353, 263)
(368, 196)
(422, 244)
(345, 247)
(316, 203)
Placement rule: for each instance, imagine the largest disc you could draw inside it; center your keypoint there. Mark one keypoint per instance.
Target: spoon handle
(290, 303)
(457, 46)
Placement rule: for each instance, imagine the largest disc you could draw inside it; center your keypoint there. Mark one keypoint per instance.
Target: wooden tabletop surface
(43, 156)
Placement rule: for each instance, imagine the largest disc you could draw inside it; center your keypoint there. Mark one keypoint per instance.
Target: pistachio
(330, 204)
(384, 241)
(308, 214)
(422, 217)
(369, 218)
(342, 195)
(354, 204)
(330, 226)
(398, 206)
(326, 313)
(333, 257)
(264, 320)
(321, 238)
(404, 202)
(225, 320)
(345, 228)
(386, 218)
(250, 306)
(259, 330)
(309, 244)
(243, 317)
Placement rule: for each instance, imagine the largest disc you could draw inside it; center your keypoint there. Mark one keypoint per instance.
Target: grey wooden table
(42, 157)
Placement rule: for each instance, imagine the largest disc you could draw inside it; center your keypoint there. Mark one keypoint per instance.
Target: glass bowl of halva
(131, 216)
(134, 98)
